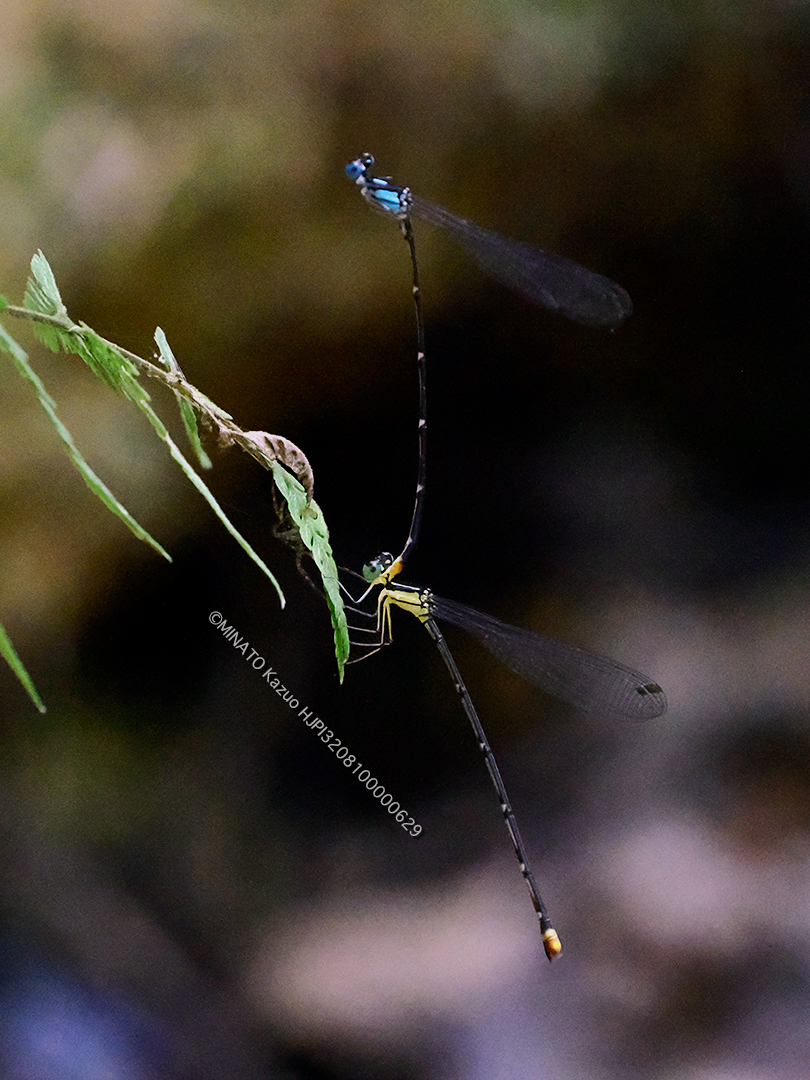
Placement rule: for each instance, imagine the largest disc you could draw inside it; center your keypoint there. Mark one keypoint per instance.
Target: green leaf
(207, 494)
(9, 653)
(307, 516)
(117, 368)
(42, 295)
(20, 358)
(186, 412)
(107, 361)
(94, 482)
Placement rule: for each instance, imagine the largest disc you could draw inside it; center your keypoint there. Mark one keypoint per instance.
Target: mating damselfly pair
(586, 680)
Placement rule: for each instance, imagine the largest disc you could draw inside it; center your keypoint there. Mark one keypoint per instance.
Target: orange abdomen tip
(552, 943)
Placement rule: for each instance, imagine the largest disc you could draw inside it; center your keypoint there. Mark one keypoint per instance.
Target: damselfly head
(378, 566)
(357, 168)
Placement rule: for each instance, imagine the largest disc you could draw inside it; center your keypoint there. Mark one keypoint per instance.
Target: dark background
(192, 885)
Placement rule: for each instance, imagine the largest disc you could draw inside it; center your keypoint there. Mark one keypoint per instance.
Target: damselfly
(549, 280)
(584, 679)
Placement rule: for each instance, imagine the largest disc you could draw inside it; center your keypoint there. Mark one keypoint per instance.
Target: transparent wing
(550, 280)
(584, 679)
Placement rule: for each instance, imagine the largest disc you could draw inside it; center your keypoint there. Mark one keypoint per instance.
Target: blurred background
(191, 884)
